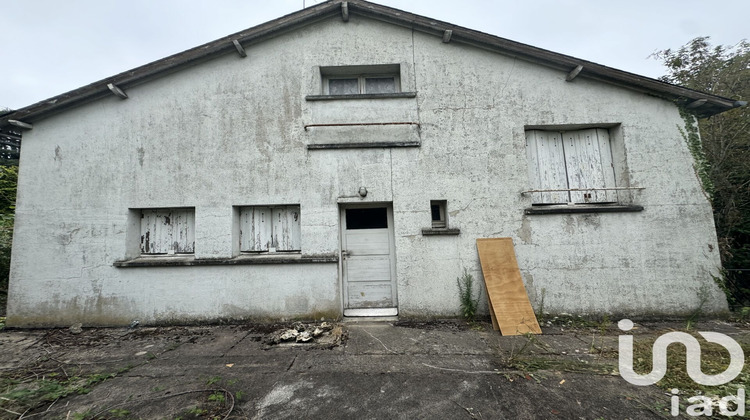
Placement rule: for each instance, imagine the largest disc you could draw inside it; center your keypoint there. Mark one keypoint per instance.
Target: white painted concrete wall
(229, 132)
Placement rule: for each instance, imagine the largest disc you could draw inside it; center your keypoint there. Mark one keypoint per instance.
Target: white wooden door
(368, 261)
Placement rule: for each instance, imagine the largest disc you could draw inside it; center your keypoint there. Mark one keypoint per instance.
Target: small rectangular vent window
(437, 210)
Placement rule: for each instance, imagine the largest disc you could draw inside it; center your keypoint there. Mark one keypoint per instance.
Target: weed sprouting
(197, 411)
(466, 296)
(704, 295)
(25, 393)
(540, 312)
(604, 324)
(117, 413)
(213, 380)
(81, 416)
(217, 397)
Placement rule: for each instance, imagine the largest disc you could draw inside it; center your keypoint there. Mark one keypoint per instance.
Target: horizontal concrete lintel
(365, 145)
(438, 231)
(184, 261)
(588, 208)
(362, 96)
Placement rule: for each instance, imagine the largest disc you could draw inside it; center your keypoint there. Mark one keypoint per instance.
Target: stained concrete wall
(229, 132)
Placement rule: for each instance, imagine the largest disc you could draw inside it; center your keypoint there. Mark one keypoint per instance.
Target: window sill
(440, 231)
(362, 96)
(244, 259)
(582, 208)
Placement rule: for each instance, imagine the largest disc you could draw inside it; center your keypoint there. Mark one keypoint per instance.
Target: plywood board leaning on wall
(508, 301)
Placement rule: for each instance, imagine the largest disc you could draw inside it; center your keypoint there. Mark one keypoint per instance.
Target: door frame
(347, 312)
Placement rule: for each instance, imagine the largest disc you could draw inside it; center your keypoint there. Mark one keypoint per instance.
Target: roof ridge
(705, 104)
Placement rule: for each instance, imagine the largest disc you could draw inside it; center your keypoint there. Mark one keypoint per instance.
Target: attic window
(361, 85)
(361, 80)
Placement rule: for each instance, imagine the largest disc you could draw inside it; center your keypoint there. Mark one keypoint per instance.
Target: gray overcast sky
(49, 47)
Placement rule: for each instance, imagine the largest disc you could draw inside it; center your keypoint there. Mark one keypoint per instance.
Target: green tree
(8, 185)
(10, 142)
(725, 139)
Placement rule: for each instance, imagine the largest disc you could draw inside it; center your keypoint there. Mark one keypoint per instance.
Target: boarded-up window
(269, 228)
(575, 165)
(167, 231)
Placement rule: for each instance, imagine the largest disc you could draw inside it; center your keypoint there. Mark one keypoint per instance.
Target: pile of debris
(323, 333)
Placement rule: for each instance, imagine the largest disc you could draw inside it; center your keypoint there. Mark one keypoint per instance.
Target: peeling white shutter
(608, 167)
(259, 228)
(165, 231)
(588, 160)
(183, 231)
(546, 158)
(255, 229)
(286, 228)
(148, 231)
(263, 227)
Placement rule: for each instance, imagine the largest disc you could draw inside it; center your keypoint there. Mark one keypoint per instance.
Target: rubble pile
(324, 333)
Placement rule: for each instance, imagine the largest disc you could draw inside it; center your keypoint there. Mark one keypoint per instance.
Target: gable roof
(700, 103)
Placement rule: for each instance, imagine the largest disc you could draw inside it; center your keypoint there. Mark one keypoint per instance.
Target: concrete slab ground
(428, 370)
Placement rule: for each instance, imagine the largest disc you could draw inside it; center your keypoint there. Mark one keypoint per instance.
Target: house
(343, 160)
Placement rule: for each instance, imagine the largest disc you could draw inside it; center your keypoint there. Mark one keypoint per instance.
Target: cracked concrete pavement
(439, 369)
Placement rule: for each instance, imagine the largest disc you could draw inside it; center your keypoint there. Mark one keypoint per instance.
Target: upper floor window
(361, 85)
(361, 80)
(571, 166)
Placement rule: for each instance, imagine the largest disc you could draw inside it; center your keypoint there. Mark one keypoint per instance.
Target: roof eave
(97, 90)
(680, 95)
(170, 64)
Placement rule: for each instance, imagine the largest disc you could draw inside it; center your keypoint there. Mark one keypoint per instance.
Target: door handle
(344, 253)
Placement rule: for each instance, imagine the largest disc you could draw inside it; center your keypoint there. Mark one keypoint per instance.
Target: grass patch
(523, 357)
(28, 390)
(714, 360)
(536, 363)
(564, 320)
(23, 394)
(219, 403)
